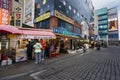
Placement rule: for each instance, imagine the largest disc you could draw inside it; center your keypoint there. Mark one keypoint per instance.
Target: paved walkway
(28, 67)
(98, 65)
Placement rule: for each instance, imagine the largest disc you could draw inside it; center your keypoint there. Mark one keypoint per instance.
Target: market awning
(9, 29)
(37, 34)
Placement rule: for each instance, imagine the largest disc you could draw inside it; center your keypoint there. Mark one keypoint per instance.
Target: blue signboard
(61, 30)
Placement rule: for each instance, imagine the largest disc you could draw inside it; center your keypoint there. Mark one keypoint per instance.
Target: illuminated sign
(43, 17)
(5, 10)
(112, 19)
(63, 17)
(4, 16)
(113, 25)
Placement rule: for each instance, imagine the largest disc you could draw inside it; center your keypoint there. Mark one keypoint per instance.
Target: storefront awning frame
(36, 34)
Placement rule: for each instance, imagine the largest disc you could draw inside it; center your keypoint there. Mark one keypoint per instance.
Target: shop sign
(4, 16)
(34, 37)
(43, 17)
(63, 17)
(63, 31)
(18, 16)
(5, 11)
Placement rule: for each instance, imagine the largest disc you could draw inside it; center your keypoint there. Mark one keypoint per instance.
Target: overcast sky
(105, 3)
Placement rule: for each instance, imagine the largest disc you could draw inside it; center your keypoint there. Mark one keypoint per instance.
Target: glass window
(44, 24)
(76, 30)
(65, 25)
(61, 23)
(69, 27)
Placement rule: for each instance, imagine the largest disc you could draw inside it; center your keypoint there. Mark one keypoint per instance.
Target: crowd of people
(40, 49)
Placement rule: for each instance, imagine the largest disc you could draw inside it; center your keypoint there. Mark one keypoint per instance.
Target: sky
(105, 3)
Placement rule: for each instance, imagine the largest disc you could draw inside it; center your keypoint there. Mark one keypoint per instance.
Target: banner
(18, 16)
(4, 16)
(113, 24)
(29, 12)
(112, 19)
(5, 11)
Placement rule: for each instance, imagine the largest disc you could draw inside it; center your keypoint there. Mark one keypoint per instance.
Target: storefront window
(69, 27)
(76, 30)
(44, 24)
(61, 23)
(65, 25)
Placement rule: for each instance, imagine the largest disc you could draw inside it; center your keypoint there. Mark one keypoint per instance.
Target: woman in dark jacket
(47, 52)
(29, 50)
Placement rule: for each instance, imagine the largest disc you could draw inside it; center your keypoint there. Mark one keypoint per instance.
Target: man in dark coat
(29, 50)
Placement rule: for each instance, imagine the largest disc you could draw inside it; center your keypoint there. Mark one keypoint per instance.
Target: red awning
(37, 33)
(9, 29)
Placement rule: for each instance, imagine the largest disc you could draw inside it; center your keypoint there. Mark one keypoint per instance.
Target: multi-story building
(108, 24)
(102, 15)
(64, 17)
(113, 35)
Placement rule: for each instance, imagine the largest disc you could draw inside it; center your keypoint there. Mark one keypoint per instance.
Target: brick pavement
(28, 67)
(99, 65)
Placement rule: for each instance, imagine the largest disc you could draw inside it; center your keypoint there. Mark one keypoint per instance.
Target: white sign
(29, 12)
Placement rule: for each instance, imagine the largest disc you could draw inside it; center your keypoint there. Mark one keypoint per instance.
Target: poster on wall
(21, 55)
(18, 16)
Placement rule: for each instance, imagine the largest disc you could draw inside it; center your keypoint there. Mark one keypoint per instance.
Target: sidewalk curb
(34, 75)
(21, 74)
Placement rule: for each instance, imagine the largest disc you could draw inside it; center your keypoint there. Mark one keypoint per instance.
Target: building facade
(113, 35)
(64, 17)
(96, 26)
(102, 15)
(119, 21)
(108, 24)
(63, 13)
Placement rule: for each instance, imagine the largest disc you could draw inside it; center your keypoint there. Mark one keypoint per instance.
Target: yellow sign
(26, 1)
(12, 36)
(63, 17)
(43, 17)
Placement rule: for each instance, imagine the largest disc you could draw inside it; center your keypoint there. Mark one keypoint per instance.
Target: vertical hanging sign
(5, 10)
(18, 16)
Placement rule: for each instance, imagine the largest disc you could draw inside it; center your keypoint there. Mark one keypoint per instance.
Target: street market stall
(5, 31)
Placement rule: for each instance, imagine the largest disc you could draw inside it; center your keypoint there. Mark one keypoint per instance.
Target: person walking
(29, 50)
(37, 49)
(43, 49)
